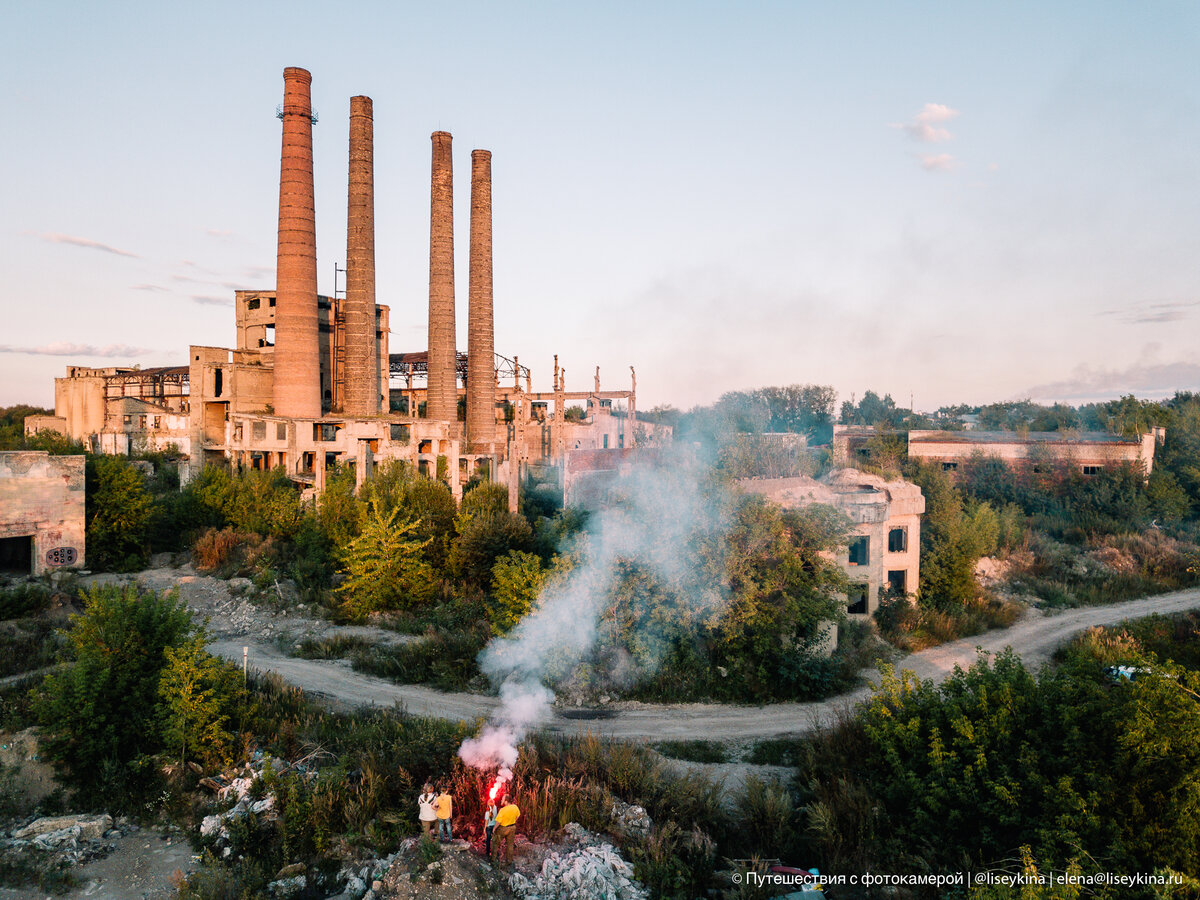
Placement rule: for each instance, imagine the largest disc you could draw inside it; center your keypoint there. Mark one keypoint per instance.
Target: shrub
(101, 712)
(384, 567)
(23, 600)
(517, 580)
(119, 513)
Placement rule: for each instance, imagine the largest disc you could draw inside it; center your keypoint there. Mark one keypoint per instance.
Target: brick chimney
(297, 356)
(481, 370)
(362, 366)
(442, 398)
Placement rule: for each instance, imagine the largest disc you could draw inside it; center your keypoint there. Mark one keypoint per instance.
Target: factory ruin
(311, 381)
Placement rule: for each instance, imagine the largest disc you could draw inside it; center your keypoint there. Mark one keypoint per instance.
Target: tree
(954, 535)
(517, 579)
(384, 566)
(100, 713)
(194, 690)
(119, 514)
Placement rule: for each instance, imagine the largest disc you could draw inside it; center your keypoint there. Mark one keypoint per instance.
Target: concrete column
(362, 364)
(481, 369)
(297, 376)
(442, 396)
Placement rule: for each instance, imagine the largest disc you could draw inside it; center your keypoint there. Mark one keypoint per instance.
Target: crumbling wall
(42, 498)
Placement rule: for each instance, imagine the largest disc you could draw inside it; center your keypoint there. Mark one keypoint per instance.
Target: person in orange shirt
(506, 830)
(444, 805)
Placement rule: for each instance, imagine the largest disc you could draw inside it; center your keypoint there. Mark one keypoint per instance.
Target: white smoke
(654, 518)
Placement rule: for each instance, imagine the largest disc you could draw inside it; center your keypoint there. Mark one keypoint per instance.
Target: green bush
(101, 713)
(23, 600)
(120, 511)
(384, 567)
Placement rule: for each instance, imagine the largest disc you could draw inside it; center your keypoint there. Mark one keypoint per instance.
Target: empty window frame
(898, 540)
(1092, 470)
(860, 551)
(898, 582)
(856, 600)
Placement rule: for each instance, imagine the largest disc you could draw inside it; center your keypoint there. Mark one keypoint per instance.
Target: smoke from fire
(653, 519)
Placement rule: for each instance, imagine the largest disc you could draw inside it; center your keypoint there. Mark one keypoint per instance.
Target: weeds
(914, 626)
(23, 600)
(336, 646)
(693, 751)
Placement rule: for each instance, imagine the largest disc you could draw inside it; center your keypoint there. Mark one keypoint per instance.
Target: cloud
(55, 238)
(257, 273)
(147, 287)
(926, 125)
(1153, 313)
(206, 300)
(218, 232)
(64, 348)
(937, 162)
(1147, 380)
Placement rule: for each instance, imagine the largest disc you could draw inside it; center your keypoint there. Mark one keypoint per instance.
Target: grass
(911, 626)
(1106, 569)
(23, 600)
(444, 660)
(775, 752)
(336, 646)
(27, 645)
(694, 751)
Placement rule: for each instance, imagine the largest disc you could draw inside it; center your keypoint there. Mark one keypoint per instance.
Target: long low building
(1090, 451)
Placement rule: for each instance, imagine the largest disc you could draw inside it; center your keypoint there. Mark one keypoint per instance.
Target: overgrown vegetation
(1073, 766)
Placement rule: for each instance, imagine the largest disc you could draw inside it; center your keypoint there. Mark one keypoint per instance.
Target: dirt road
(1034, 638)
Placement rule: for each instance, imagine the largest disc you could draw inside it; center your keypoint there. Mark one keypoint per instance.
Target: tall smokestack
(362, 366)
(297, 353)
(481, 370)
(442, 398)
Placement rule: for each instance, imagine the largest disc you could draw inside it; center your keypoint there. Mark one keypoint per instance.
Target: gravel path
(1034, 638)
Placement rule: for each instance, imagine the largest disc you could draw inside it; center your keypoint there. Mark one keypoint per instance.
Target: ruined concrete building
(884, 552)
(311, 381)
(1090, 451)
(41, 512)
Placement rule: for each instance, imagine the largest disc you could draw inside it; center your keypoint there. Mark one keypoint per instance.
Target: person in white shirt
(427, 813)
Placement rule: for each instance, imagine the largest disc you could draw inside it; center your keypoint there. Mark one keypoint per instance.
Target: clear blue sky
(959, 202)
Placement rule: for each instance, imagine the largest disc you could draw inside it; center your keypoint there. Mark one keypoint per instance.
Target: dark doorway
(16, 555)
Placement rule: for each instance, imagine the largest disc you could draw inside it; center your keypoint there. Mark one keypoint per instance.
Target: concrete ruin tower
(481, 370)
(297, 351)
(362, 363)
(442, 397)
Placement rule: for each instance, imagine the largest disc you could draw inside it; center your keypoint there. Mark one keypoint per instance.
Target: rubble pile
(630, 819)
(67, 840)
(591, 870)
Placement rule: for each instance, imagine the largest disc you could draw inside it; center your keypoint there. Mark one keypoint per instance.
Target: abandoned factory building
(312, 381)
(884, 551)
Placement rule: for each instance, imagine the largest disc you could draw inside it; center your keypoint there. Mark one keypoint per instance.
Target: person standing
(506, 829)
(427, 814)
(445, 809)
(489, 825)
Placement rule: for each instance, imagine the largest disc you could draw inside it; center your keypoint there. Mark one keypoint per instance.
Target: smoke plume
(650, 529)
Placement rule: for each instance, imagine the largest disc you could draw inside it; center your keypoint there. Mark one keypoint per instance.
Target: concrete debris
(84, 828)
(594, 870)
(288, 887)
(631, 819)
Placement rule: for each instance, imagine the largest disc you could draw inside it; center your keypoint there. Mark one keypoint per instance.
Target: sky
(950, 203)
